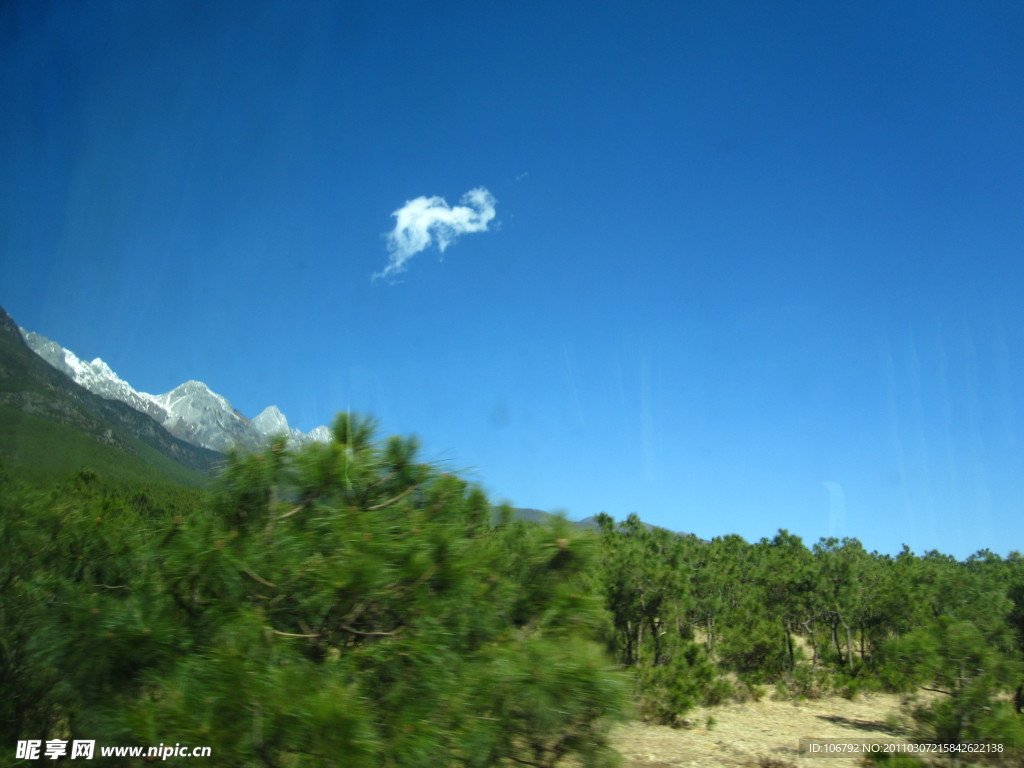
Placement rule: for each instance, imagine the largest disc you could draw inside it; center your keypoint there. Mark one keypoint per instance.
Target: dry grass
(763, 734)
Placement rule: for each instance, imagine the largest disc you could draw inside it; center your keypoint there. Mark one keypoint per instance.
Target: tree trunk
(656, 639)
(814, 646)
(810, 630)
(849, 646)
(789, 645)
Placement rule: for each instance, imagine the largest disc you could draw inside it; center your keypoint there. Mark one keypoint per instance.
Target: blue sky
(752, 266)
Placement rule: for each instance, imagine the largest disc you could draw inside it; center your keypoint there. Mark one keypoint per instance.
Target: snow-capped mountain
(320, 434)
(95, 376)
(195, 413)
(272, 422)
(191, 411)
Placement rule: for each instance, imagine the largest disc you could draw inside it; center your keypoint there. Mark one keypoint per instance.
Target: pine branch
(253, 575)
(290, 634)
(527, 762)
(295, 511)
(365, 634)
(392, 500)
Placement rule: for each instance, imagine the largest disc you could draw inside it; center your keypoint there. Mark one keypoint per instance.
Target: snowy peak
(96, 376)
(195, 413)
(193, 396)
(50, 351)
(102, 369)
(320, 435)
(271, 421)
(190, 389)
(190, 411)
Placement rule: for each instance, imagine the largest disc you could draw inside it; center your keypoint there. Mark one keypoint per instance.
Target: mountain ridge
(191, 411)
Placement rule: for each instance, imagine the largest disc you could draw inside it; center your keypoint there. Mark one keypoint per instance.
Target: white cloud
(430, 220)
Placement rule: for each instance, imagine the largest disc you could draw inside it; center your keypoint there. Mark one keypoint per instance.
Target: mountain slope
(41, 451)
(31, 386)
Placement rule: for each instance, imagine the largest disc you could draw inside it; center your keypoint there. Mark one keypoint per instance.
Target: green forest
(349, 604)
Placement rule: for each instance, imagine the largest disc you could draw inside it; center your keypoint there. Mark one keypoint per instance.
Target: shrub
(666, 692)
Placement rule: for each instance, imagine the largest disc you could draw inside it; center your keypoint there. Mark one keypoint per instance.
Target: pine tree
(341, 603)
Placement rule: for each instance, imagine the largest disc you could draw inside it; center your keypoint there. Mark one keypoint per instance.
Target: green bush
(754, 653)
(666, 692)
(803, 682)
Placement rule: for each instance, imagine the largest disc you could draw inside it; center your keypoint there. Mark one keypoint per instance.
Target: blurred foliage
(346, 603)
(340, 603)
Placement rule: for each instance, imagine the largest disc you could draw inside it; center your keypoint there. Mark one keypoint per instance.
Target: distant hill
(590, 524)
(587, 523)
(45, 417)
(532, 515)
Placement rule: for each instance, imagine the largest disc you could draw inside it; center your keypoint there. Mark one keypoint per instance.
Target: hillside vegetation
(345, 603)
(32, 387)
(41, 451)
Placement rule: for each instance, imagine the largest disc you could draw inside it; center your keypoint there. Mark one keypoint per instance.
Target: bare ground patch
(764, 733)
